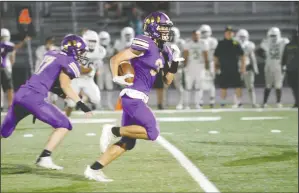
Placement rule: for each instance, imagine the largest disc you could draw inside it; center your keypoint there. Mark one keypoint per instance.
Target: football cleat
(96, 175)
(107, 137)
(197, 106)
(47, 162)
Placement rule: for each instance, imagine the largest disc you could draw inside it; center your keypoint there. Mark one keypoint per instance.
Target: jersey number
(274, 53)
(46, 62)
(159, 64)
(195, 54)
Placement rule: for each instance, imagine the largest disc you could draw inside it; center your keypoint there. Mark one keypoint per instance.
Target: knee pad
(95, 100)
(126, 143)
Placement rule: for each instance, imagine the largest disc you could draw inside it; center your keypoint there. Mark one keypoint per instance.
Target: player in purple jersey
(57, 66)
(148, 55)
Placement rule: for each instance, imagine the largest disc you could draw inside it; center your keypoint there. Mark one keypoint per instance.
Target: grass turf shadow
(14, 169)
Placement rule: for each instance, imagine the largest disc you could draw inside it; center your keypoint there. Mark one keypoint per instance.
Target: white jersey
(248, 47)
(120, 45)
(195, 58)
(7, 58)
(274, 51)
(95, 61)
(40, 52)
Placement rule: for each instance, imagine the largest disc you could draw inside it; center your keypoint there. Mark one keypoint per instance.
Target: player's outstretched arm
(65, 84)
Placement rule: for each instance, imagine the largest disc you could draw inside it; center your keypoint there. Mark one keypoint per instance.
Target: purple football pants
(136, 112)
(26, 102)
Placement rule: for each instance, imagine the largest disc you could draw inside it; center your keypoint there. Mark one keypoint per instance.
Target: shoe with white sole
(197, 106)
(179, 107)
(47, 162)
(107, 137)
(96, 175)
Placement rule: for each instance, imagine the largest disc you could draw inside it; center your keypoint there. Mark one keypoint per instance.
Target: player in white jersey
(208, 76)
(196, 60)
(250, 62)
(85, 82)
(104, 74)
(273, 47)
(127, 35)
(39, 53)
(178, 79)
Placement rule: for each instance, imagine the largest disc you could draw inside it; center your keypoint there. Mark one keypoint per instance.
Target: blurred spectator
(112, 6)
(135, 20)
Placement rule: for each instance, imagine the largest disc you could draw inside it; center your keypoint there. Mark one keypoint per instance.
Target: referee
(226, 58)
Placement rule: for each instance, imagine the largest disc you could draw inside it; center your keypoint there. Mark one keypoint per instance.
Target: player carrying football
(57, 66)
(148, 54)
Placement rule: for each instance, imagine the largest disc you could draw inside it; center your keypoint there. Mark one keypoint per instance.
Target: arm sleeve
(140, 44)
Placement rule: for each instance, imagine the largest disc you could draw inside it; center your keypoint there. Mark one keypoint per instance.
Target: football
(126, 68)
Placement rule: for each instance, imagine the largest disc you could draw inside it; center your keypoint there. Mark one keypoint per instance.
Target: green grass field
(244, 156)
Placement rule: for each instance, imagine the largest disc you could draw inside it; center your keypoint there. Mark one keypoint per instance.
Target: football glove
(121, 80)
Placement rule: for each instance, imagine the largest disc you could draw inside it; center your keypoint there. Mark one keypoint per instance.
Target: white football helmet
(92, 39)
(242, 35)
(176, 34)
(274, 34)
(104, 38)
(5, 34)
(205, 31)
(127, 34)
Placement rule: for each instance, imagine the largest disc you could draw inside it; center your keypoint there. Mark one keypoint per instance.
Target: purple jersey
(48, 72)
(147, 65)
(5, 48)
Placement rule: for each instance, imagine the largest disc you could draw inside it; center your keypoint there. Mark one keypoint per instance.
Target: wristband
(174, 67)
(83, 107)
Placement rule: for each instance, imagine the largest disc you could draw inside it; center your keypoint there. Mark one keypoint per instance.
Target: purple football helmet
(74, 45)
(158, 26)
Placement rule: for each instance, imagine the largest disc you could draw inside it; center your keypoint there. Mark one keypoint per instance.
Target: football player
(196, 61)
(208, 76)
(273, 47)
(8, 57)
(94, 57)
(178, 79)
(126, 37)
(39, 53)
(104, 73)
(148, 55)
(250, 62)
(57, 67)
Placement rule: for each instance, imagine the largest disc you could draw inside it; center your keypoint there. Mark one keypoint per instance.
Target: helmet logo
(152, 19)
(158, 19)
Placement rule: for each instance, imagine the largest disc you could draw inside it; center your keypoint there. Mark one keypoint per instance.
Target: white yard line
(195, 173)
(261, 118)
(193, 111)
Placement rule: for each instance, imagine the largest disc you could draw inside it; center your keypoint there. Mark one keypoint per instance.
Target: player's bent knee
(153, 133)
(63, 123)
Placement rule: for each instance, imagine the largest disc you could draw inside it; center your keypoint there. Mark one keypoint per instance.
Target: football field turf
(234, 152)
